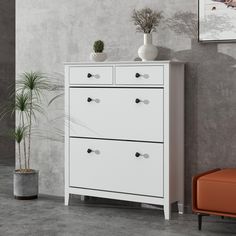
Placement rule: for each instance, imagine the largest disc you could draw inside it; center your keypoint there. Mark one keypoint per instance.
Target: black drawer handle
(138, 154)
(89, 150)
(89, 75)
(137, 100)
(96, 76)
(145, 76)
(89, 99)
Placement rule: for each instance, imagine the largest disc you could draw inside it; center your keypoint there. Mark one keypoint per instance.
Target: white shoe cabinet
(124, 132)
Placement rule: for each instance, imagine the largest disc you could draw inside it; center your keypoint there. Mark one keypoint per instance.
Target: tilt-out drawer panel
(118, 166)
(117, 113)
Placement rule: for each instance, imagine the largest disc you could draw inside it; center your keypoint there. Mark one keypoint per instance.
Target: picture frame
(217, 21)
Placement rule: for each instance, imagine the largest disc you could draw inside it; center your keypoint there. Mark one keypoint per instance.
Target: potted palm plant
(27, 106)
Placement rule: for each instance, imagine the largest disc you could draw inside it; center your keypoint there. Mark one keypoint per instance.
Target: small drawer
(91, 75)
(118, 166)
(143, 75)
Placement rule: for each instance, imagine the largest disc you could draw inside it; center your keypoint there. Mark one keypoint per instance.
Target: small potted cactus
(98, 55)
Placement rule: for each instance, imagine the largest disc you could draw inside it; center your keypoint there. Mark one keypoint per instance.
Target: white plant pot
(98, 57)
(148, 52)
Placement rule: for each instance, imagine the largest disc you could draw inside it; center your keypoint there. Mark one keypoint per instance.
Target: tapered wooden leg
(82, 198)
(66, 199)
(181, 208)
(167, 211)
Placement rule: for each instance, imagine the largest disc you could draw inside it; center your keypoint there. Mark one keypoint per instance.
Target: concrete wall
(7, 76)
(51, 32)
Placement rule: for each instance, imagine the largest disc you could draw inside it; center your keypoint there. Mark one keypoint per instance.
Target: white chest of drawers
(124, 138)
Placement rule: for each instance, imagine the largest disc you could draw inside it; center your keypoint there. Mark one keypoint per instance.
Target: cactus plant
(98, 46)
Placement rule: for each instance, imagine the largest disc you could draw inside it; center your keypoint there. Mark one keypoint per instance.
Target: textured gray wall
(51, 32)
(7, 76)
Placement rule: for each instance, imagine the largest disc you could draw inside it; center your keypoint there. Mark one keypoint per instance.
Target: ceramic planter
(25, 185)
(148, 52)
(98, 57)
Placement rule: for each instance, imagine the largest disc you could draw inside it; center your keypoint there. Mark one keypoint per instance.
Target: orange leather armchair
(214, 193)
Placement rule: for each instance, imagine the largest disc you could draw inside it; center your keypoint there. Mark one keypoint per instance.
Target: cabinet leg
(82, 198)
(167, 212)
(66, 199)
(181, 208)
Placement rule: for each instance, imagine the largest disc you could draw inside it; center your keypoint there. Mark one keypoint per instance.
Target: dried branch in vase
(146, 20)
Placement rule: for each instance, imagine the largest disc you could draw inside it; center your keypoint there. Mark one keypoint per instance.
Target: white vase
(98, 56)
(148, 52)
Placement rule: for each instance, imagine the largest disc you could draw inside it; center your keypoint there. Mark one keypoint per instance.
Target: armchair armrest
(194, 188)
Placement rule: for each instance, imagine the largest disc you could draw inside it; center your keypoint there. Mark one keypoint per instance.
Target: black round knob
(137, 100)
(89, 99)
(137, 75)
(89, 75)
(137, 154)
(89, 150)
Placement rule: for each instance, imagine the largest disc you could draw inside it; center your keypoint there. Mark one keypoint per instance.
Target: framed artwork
(217, 20)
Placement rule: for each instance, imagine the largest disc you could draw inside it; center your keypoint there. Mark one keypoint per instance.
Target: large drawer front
(140, 75)
(117, 113)
(91, 75)
(116, 166)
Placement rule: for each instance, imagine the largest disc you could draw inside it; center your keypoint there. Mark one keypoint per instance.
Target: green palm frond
(22, 102)
(34, 83)
(20, 133)
(21, 105)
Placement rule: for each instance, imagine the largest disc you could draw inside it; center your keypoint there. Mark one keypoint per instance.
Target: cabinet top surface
(124, 63)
